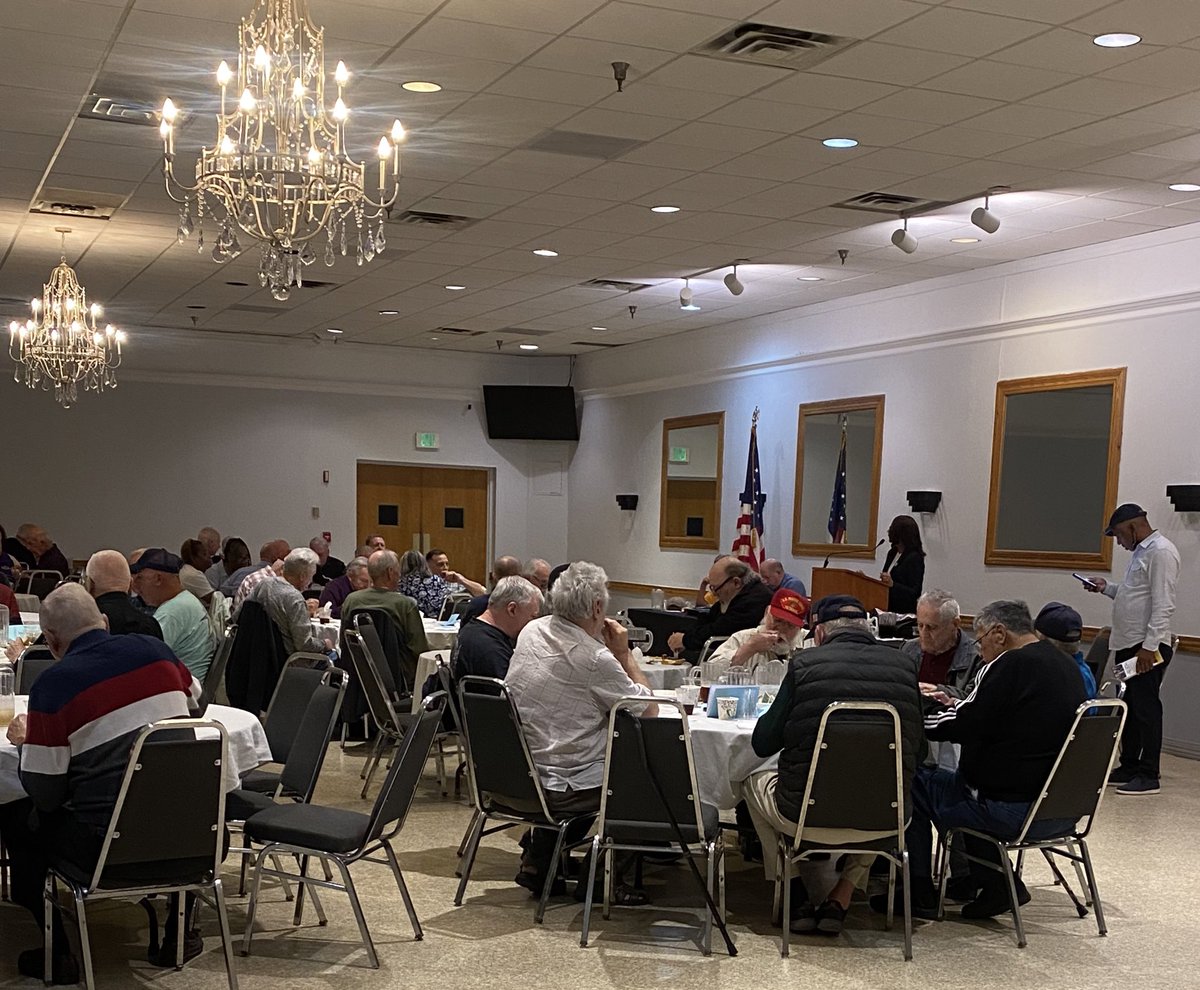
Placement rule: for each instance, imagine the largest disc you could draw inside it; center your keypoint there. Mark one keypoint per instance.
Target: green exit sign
(679, 455)
(427, 441)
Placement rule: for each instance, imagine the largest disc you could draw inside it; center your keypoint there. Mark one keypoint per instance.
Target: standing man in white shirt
(1143, 603)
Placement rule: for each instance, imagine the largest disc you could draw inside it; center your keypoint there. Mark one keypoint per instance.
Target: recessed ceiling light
(418, 86)
(964, 240)
(455, 288)
(334, 330)
(664, 209)
(528, 347)
(599, 328)
(389, 312)
(690, 307)
(1184, 187)
(545, 253)
(434, 338)
(1116, 40)
(840, 143)
(809, 278)
(239, 284)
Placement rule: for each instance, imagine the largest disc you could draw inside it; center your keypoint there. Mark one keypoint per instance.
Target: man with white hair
(108, 579)
(183, 620)
(485, 646)
(568, 669)
(288, 609)
(74, 746)
(212, 543)
(336, 591)
(328, 567)
(537, 571)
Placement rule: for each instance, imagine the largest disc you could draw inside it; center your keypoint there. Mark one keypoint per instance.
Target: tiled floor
(1146, 857)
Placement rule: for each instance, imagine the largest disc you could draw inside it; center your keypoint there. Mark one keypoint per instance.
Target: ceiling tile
(558, 87)
(568, 54)
(835, 92)
(870, 129)
(672, 30)
(664, 101)
(716, 75)
(937, 108)
(532, 15)
(959, 32)
(1047, 11)
(1100, 96)
(468, 39)
(888, 64)
(997, 80)
(719, 137)
(1163, 22)
(1030, 121)
(786, 118)
(849, 20)
(965, 141)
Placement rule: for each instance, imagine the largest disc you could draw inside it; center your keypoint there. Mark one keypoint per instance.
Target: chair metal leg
(348, 883)
(468, 860)
(706, 937)
(721, 881)
(1062, 882)
(287, 887)
(248, 934)
(1079, 874)
(890, 916)
(907, 906)
(1010, 877)
(1101, 926)
(551, 873)
(606, 907)
(786, 918)
(85, 945)
(440, 757)
(180, 928)
(591, 886)
(1020, 870)
(298, 913)
(467, 835)
(408, 904)
(246, 856)
(944, 874)
(226, 934)
(49, 899)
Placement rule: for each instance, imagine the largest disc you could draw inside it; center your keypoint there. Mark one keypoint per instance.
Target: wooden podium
(872, 592)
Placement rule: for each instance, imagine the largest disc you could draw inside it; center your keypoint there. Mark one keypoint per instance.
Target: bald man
(108, 580)
(505, 566)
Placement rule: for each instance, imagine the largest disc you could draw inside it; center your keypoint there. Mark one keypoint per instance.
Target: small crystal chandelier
(278, 170)
(61, 345)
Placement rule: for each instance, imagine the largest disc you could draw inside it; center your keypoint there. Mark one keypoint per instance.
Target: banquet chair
(341, 838)
(38, 583)
(285, 715)
(710, 646)
(505, 784)
(1071, 794)
(650, 798)
(391, 719)
(453, 605)
(165, 835)
(216, 669)
(256, 660)
(1097, 654)
(30, 664)
(855, 782)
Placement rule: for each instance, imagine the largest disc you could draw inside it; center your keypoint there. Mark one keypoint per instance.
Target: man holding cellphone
(1143, 603)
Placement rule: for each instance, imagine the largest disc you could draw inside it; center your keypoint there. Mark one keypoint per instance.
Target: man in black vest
(1011, 728)
(848, 664)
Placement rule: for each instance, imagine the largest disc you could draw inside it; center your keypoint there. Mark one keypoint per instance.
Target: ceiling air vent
(421, 218)
(119, 110)
(768, 44)
(891, 204)
(614, 284)
(460, 331)
(583, 145)
(77, 203)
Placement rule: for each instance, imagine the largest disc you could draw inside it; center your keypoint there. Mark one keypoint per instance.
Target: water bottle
(8, 685)
(657, 598)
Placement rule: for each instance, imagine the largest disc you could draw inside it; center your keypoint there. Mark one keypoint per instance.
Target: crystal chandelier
(61, 344)
(278, 170)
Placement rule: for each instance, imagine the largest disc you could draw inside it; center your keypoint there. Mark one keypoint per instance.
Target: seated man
(271, 557)
(211, 539)
(384, 571)
(107, 577)
(1010, 729)
(503, 567)
(775, 577)
(74, 746)
(848, 664)
(537, 571)
(287, 607)
(485, 646)
(355, 579)
(374, 542)
(439, 563)
(1062, 627)
(568, 669)
(772, 639)
(738, 599)
(49, 557)
(328, 566)
(22, 546)
(179, 614)
(234, 557)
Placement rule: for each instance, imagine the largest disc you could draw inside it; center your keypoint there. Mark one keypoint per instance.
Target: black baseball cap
(1123, 513)
(837, 607)
(1061, 622)
(157, 559)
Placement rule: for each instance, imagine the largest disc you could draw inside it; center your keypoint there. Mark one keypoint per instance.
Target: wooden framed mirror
(818, 452)
(690, 499)
(1056, 457)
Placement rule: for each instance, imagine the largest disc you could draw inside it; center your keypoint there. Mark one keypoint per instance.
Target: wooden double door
(420, 508)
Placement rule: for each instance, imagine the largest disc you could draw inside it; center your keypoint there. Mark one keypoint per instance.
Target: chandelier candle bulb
(341, 75)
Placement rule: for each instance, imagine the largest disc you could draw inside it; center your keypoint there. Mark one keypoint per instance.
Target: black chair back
(216, 669)
(498, 756)
(396, 797)
(370, 679)
(285, 714)
(30, 664)
(1097, 654)
(643, 752)
(445, 682)
(1077, 780)
(256, 660)
(856, 779)
(39, 583)
(166, 825)
(453, 605)
(307, 755)
(384, 645)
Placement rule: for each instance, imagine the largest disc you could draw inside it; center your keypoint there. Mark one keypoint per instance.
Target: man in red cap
(772, 639)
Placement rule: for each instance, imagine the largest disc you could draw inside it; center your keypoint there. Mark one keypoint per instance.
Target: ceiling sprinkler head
(620, 71)
(632, 312)
(843, 254)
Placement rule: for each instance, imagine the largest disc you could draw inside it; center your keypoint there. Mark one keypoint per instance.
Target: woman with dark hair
(904, 567)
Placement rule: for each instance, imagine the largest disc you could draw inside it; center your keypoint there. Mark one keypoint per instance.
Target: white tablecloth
(724, 758)
(29, 603)
(662, 676)
(248, 749)
(327, 631)
(441, 636)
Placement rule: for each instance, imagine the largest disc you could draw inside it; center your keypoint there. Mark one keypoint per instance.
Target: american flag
(837, 511)
(748, 544)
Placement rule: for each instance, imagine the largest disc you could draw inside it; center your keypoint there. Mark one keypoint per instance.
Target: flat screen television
(530, 412)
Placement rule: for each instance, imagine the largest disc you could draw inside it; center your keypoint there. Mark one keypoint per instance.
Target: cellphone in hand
(1090, 585)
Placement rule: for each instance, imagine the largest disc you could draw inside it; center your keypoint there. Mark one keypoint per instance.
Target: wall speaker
(1185, 498)
(627, 501)
(924, 501)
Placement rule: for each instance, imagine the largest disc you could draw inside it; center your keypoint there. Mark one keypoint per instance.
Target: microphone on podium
(834, 553)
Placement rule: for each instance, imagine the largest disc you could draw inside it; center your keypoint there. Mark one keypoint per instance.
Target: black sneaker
(1120, 776)
(804, 918)
(961, 890)
(830, 918)
(1139, 787)
(64, 969)
(924, 904)
(193, 945)
(993, 901)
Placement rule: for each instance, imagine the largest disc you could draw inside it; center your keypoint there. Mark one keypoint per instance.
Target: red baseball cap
(787, 606)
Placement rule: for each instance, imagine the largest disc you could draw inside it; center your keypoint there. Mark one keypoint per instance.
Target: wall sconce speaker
(924, 501)
(627, 501)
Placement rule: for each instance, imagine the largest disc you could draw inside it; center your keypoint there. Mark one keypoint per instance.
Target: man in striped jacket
(84, 713)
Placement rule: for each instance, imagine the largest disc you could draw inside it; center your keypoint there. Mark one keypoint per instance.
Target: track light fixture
(903, 239)
(733, 283)
(983, 218)
(685, 297)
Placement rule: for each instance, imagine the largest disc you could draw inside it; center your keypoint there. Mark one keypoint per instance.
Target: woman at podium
(904, 566)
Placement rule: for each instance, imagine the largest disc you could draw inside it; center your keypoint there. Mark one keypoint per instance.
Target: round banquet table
(664, 676)
(724, 758)
(440, 635)
(248, 749)
(326, 631)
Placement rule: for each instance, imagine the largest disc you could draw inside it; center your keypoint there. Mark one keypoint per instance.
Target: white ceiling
(947, 99)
